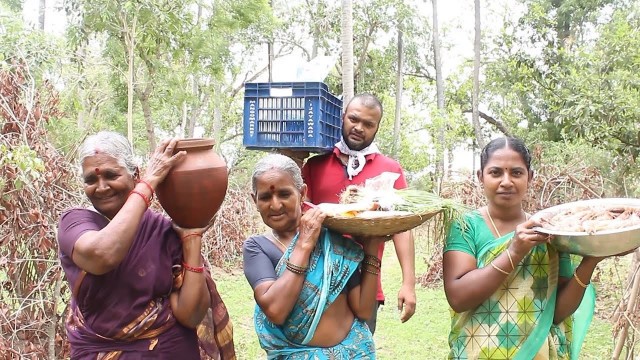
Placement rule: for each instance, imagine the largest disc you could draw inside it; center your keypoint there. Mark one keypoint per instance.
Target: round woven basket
(379, 225)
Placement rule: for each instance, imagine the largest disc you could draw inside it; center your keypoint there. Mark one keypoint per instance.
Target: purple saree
(125, 314)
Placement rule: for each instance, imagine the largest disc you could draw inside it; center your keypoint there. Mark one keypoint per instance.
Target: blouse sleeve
(565, 266)
(72, 225)
(257, 265)
(460, 238)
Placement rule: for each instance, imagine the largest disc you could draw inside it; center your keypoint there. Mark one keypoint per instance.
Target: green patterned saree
(516, 322)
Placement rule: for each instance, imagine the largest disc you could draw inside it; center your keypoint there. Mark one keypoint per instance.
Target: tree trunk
(144, 97)
(82, 93)
(398, 114)
(42, 11)
(270, 51)
(347, 52)
(217, 115)
(191, 123)
(441, 147)
(185, 116)
(475, 118)
(129, 39)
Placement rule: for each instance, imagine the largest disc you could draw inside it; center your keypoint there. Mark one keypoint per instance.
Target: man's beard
(354, 146)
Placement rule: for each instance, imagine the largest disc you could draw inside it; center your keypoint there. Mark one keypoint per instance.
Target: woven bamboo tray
(378, 224)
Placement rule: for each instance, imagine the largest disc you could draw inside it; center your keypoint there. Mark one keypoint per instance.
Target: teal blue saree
(332, 263)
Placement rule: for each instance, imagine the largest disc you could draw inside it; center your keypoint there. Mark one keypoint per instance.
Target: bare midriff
(334, 324)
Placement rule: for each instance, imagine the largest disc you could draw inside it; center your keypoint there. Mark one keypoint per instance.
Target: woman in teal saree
(313, 288)
(512, 295)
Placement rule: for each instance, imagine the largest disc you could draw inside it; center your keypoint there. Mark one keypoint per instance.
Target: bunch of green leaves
(422, 202)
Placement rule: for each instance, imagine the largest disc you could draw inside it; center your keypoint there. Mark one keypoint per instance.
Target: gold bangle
(497, 268)
(575, 275)
(510, 259)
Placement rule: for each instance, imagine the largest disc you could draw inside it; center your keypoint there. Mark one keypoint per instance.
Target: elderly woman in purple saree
(140, 286)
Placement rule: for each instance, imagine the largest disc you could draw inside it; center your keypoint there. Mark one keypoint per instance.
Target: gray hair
(277, 162)
(112, 144)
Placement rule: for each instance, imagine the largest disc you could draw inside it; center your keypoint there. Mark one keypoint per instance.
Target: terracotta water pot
(194, 189)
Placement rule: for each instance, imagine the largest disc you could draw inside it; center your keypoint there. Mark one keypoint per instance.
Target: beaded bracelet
(375, 265)
(371, 271)
(143, 196)
(372, 258)
(195, 269)
(148, 186)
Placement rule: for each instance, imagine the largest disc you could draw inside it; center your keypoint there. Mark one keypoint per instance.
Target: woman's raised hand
(162, 161)
(310, 226)
(526, 237)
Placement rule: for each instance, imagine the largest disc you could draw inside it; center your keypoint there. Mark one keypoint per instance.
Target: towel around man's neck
(356, 157)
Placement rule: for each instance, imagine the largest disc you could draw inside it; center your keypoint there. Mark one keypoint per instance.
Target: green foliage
(603, 103)
(566, 72)
(12, 5)
(19, 44)
(64, 135)
(25, 161)
(181, 49)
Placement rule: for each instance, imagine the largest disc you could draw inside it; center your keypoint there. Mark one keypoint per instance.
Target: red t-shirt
(326, 177)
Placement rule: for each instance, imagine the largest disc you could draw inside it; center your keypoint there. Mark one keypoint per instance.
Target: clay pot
(194, 189)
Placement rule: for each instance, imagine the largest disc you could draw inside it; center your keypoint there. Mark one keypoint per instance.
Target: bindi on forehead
(97, 170)
(272, 189)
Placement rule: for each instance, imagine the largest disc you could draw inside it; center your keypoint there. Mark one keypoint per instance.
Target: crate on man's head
(291, 115)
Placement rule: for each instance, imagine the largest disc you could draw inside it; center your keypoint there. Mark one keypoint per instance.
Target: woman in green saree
(512, 295)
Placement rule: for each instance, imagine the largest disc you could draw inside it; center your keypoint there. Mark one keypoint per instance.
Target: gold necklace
(96, 210)
(494, 224)
(277, 238)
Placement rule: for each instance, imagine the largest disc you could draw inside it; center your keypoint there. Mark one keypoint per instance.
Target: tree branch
(420, 75)
(493, 121)
(237, 89)
(625, 141)
(365, 49)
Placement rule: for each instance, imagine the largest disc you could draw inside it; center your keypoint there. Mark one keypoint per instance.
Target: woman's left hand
(526, 237)
(162, 161)
(310, 227)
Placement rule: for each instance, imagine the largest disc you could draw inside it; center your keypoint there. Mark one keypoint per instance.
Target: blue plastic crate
(291, 115)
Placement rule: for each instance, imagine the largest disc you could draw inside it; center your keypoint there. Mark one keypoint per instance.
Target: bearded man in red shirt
(353, 160)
